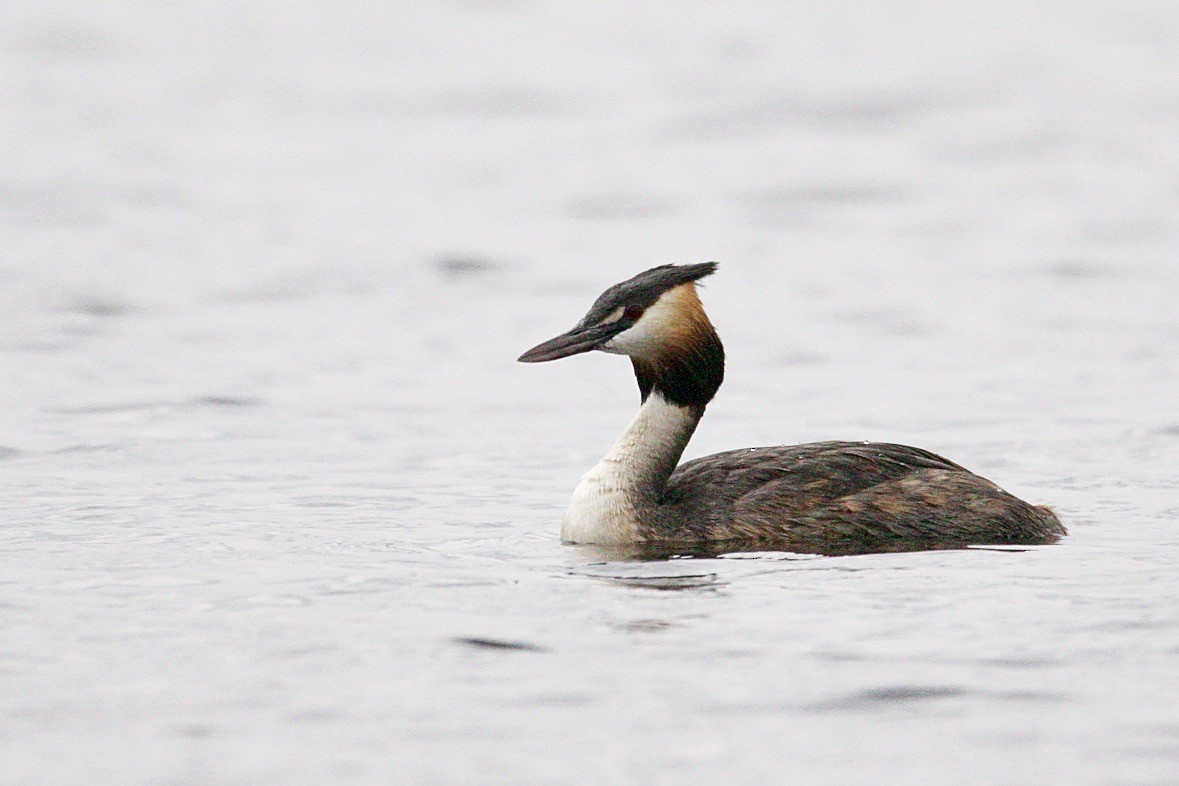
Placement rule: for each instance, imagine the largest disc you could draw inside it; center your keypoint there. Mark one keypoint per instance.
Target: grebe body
(827, 497)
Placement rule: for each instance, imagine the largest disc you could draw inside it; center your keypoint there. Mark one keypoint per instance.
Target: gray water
(279, 506)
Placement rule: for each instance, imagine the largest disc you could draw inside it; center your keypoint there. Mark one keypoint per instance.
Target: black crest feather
(645, 288)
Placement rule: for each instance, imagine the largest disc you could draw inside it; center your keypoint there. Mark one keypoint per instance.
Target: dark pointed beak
(574, 342)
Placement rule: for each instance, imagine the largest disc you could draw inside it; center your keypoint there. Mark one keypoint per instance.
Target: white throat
(608, 503)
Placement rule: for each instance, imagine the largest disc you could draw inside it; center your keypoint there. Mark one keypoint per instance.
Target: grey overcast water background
(280, 507)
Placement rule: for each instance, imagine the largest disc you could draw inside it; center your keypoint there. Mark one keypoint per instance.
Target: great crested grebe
(826, 497)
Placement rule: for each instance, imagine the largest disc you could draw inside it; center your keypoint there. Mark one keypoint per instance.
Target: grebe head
(654, 310)
(656, 319)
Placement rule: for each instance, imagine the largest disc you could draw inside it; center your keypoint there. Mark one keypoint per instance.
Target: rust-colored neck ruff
(686, 361)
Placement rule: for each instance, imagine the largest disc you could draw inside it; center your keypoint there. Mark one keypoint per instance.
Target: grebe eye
(633, 313)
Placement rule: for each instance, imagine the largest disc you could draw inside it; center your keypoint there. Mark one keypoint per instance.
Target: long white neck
(610, 502)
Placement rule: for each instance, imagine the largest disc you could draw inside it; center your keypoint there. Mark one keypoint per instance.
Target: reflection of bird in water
(825, 496)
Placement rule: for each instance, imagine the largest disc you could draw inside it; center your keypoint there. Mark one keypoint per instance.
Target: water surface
(279, 506)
